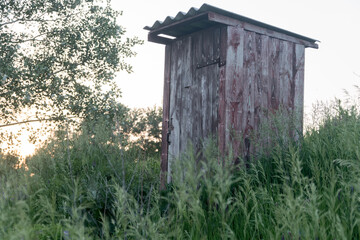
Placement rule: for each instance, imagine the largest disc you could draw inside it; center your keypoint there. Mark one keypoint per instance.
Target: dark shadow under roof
(197, 19)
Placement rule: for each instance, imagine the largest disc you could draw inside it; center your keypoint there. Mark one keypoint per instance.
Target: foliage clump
(60, 58)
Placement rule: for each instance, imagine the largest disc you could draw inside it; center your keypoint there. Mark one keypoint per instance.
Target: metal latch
(211, 62)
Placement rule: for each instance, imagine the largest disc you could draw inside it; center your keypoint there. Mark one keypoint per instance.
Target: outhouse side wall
(262, 74)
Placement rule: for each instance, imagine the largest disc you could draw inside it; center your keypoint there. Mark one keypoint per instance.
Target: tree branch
(34, 120)
(37, 19)
(11, 22)
(28, 40)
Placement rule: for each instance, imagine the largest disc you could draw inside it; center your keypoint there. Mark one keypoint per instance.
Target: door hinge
(211, 62)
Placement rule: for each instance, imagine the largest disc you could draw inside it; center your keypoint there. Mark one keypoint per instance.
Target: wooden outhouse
(222, 72)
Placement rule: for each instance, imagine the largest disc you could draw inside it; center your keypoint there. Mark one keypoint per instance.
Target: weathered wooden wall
(229, 100)
(262, 73)
(193, 104)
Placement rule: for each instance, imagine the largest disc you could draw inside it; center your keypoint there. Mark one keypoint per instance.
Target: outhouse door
(194, 82)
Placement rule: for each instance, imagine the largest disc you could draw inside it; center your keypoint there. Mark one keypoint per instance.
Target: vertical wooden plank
(282, 61)
(274, 81)
(202, 57)
(196, 102)
(214, 107)
(274, 91)
(286, 72)
(265, 72)
(247, 125)
(186, 82)
(258, 81)
(263, 76)
(222, 100)
(234, 86)
(265, 86)
(286, 79)
(209, 92)
(293, 75)
(298, 68)
(207, 55)
(261, 86)
(175, 105)
(165, 121)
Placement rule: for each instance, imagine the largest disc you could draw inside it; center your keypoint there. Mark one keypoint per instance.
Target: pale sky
(329, 70)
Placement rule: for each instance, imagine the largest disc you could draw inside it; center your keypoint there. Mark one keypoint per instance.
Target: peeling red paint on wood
(234, 87)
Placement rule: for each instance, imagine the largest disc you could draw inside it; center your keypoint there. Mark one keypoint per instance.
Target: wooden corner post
(165, 122)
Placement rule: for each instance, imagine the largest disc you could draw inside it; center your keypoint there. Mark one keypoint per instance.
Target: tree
(60, 57)
(146, 129)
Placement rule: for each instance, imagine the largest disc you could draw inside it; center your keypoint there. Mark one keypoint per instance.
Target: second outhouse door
(194, 83)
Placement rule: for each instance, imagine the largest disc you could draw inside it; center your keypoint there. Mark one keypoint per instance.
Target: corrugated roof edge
(208, 8)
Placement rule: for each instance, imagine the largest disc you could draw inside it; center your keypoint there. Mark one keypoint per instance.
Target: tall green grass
(90, 186)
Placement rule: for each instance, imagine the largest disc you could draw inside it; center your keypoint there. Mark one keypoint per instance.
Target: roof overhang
(208, 16)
